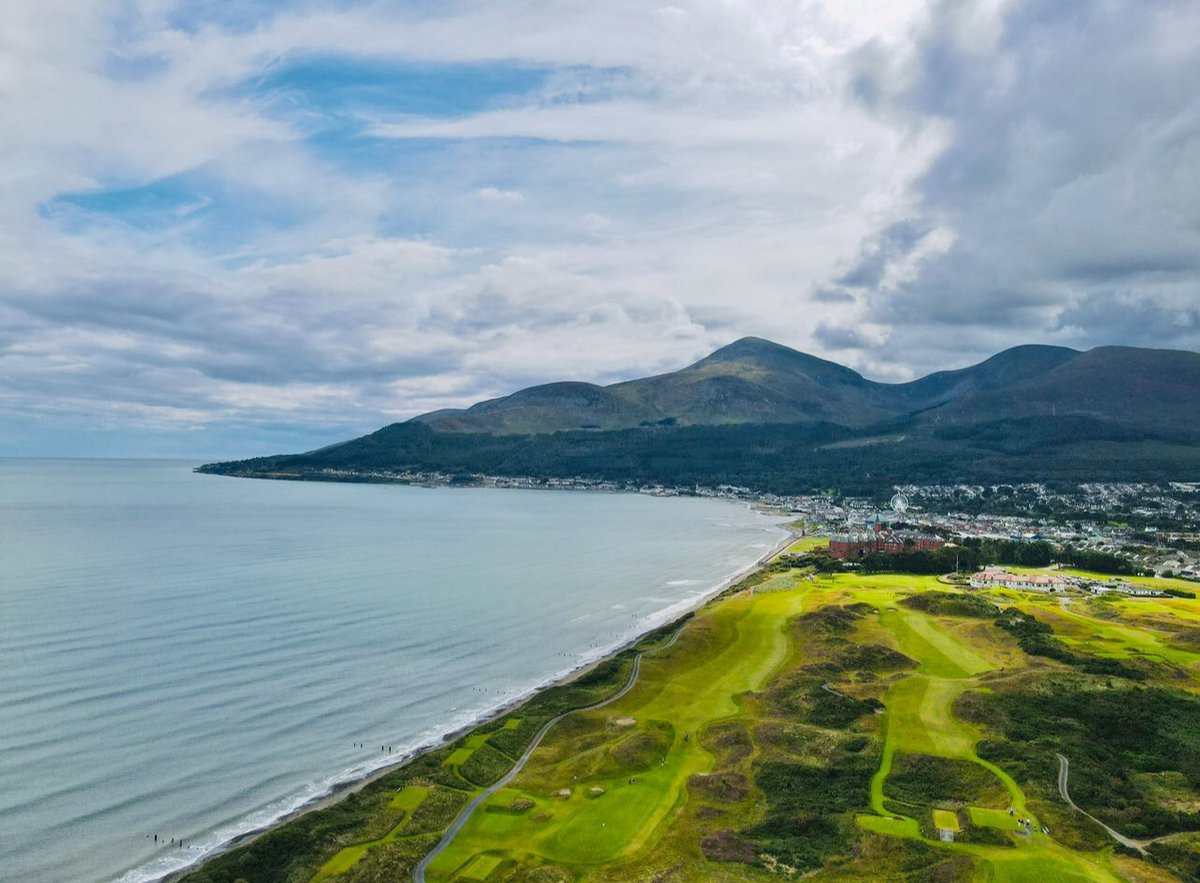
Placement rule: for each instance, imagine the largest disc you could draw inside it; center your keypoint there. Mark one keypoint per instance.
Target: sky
(230, 229)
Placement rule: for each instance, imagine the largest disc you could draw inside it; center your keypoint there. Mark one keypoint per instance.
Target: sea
(194, 657)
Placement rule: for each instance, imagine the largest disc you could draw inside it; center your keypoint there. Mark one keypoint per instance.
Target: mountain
(748, 381)
(758, 414)
(757, 381)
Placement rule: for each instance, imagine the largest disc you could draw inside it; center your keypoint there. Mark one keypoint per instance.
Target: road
(465, 815)
(1064, 769)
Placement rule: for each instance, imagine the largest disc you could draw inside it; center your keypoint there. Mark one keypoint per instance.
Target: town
(1157, 526)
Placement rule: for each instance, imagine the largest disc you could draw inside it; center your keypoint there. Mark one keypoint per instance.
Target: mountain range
(757, 381)
(747, 413)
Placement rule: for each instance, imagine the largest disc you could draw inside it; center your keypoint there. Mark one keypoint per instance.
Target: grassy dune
(835, 727)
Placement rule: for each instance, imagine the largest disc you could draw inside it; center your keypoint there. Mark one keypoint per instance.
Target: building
(1124, 587)
(857, 545)
(993, 578)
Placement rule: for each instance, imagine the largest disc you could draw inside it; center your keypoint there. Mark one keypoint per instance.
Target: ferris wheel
(899, 504)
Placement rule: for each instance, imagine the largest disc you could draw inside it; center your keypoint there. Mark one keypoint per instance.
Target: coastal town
(1157, 526)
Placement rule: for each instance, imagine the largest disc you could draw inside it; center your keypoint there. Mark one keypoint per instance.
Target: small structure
(1123, 587)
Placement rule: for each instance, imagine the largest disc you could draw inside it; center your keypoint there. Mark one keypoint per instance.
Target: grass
(941, 655)
(727, 650)
(411, 799)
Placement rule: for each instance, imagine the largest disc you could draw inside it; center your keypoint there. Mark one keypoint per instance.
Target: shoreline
(344, 789)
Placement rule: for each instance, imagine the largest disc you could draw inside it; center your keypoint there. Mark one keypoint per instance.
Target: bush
(485, 766)
(1109, 735)
(922, 780)
(952, 604)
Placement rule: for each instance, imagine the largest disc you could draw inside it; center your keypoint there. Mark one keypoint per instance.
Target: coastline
(670, 616)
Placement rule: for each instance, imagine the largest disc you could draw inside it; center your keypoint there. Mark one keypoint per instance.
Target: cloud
(1068, 187)
(291, 222)
(499, 196)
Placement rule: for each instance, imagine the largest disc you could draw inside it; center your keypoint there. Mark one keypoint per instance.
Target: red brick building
(888, 542)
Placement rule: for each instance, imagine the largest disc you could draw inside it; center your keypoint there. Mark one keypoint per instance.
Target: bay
(195, 656)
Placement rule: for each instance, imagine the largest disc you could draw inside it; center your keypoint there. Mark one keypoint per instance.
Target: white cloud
(822, 173)
(499, 196)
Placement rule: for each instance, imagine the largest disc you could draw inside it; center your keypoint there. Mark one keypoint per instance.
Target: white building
(1028, 582)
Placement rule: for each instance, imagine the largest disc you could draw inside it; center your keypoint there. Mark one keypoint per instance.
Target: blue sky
(245, 228)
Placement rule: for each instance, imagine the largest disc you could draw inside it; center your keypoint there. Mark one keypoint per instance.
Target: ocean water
(194, 656)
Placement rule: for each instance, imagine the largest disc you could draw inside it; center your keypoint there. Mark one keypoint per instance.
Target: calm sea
(194, 656)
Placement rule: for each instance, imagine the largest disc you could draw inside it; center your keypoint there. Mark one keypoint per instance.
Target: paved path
(465, 815)
(1064, 769)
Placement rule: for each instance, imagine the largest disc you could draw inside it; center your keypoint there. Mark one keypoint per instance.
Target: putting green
(945, 820)
(891, 826)
(409, 798)
(728, 649)
(992, 818)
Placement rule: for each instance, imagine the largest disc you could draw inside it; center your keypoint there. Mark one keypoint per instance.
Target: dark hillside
(760, 415)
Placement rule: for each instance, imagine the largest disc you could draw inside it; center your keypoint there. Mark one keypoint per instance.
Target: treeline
(775, 458)
(974, 554)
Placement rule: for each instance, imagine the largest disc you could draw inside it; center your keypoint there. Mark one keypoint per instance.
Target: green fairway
(1115, 639)
(940, 654)
(729, 649)
(891, 826)
(590, 811)
(480, 867)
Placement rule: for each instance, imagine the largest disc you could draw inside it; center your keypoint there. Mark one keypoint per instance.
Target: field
(807, 544)
(840, 727)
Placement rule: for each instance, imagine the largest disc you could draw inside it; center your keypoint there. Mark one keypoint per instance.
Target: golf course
(839, 727)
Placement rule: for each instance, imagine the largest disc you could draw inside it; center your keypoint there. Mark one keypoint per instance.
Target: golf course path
(465, 815)
(1064, 768)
